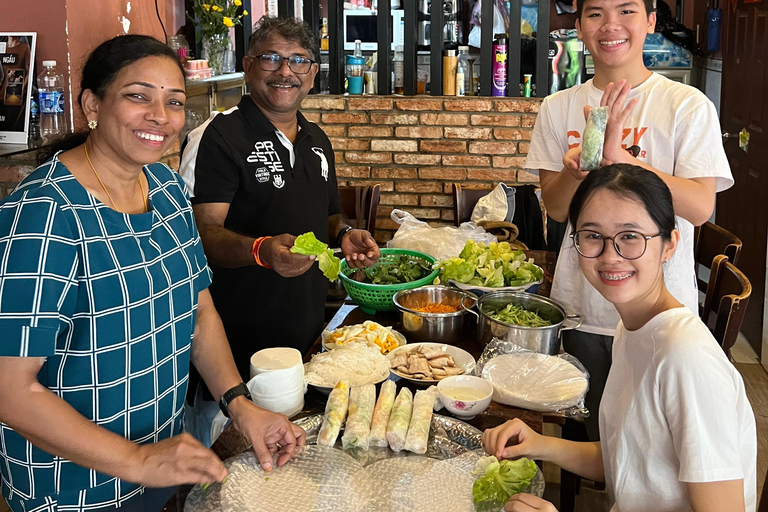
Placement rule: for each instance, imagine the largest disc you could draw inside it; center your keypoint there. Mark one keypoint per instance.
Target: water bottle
(51, 90)
(462, 73)
(34, 138)
(358, 49)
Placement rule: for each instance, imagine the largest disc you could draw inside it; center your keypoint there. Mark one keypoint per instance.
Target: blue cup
(355, 84)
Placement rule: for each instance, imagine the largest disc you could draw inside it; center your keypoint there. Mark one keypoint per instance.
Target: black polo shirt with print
(240, 160)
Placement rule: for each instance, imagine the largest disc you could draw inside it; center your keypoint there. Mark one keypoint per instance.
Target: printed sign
(17, 57)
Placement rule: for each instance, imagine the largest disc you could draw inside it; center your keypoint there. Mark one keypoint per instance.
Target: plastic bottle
(358, 49)
(34, 137)
(51, 90)
(449, 72)
(499, 82)
(398, 68)
(463, 85)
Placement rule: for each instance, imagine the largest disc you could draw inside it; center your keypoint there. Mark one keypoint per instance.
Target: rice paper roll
(357, 431)
(421, 419)
(594, 138)
(397, 428)
(381, 414)
(335, 411)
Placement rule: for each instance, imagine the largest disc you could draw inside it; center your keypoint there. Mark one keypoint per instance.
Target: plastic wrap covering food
(594, 137)
(529, 380)
(328, 479)
(440, 243)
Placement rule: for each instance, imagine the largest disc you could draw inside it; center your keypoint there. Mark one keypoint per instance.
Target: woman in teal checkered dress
(104, 304)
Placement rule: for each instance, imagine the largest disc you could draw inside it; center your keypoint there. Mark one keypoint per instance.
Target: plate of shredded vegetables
(516, 315)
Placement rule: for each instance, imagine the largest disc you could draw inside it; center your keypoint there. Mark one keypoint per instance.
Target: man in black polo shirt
(262, 170)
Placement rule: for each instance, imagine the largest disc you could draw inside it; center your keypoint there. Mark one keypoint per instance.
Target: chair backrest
(360, 204)
(464, 201)
(727, 297)
(711, 240)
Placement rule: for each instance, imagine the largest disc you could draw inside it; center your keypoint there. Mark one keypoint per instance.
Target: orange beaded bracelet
(256, 246)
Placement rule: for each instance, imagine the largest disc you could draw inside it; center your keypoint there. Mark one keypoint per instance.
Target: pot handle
(465, 308)
(575, 322)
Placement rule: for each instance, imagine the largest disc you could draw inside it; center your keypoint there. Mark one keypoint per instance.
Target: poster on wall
(17, 57)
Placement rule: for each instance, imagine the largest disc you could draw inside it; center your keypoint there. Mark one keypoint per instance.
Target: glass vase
(215, 50)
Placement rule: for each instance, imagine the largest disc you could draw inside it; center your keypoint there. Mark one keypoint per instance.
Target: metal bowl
(438, 327)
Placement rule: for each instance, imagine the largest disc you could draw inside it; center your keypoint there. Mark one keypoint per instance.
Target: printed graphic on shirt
(323, 162)
(264, 153)
(631, 140)
(278, 181)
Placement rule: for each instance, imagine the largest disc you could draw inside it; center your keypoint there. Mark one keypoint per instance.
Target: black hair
(100, 70)
(291, 29)
(650, 6)
(632, 182)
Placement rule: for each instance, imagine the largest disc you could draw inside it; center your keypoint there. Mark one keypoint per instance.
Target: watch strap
(342, 232)
(226, 399)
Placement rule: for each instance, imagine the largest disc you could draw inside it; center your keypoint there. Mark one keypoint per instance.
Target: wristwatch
(344, 231)
(226, 398)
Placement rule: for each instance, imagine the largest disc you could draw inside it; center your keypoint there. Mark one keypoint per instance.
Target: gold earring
(92, 124)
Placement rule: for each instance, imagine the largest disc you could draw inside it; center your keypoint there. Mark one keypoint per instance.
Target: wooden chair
(727, 297)
(464, 201)
(359, 205)
(709, 241)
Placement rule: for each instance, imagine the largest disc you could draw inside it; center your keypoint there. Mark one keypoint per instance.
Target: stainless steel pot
(545, 340)
(437, 327)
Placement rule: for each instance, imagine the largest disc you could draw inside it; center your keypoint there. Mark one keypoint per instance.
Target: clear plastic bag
(441, 243)
(530, 380)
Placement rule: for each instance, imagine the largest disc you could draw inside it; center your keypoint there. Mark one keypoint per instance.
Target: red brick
(394, 119)
(419, 105)
(342, 183)
(495, 119)
(444, 146)
(441, 173)
(505, 162)
(447, 215)
(342, 143)
(523, 147)
(424, 213)
(369, 104)
(419, 187)
(453, 132)
(445, 119)
(507, 175)
(386, 224)
(473, 105)
(411, 159)
(390, 173)
(395, 145)
(419, 132)
(369, 131)
(334, 130)
(513, 133)
(528, 121)
(466, 160)
(316, 103)
(345, 118)
(527, 177)
(382, 237)
(312, 117)
(517, 105)
(399, 199)
(384, 211)
(338, 157)
(367, 158)
(384, 186)
(493, 148)
(353, 171)
(440, 201)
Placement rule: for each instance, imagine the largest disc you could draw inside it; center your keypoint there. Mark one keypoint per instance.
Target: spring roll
(358, 428)
(397, 428)
(421, 419)
(335, 411)
(381, 414)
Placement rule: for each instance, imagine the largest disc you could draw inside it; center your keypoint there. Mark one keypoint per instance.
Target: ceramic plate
(462, 358)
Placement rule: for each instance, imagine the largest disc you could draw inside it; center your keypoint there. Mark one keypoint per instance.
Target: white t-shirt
(674, 410)
(678, 132)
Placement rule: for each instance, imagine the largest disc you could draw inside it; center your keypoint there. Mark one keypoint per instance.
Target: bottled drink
(465, 65)
(399, 89)
(34, 138)
(51, 90)
(358, 49)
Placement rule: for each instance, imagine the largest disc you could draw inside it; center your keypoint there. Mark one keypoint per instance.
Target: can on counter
(527, 85)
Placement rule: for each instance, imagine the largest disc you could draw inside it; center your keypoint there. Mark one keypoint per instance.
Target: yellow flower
(207, 7)
(228, 22)
(238, 3)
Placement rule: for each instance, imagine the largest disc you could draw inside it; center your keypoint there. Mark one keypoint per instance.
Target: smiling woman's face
(142, 111)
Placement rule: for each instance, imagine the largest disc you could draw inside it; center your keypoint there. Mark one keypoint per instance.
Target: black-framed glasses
(630, 245)
(273, 62)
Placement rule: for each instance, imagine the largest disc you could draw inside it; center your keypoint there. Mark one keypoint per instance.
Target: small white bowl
(465, 396)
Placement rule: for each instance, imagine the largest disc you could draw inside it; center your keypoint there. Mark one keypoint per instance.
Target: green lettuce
(309, 245)
(495, 265)
(498, 481)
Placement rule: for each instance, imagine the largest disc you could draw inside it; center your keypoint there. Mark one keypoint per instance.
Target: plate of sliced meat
(429, 363)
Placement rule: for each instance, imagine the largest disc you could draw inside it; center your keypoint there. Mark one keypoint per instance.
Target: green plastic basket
(378, 297)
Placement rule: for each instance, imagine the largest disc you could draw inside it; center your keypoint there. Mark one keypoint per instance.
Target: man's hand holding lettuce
(495, 266)
(309, 245)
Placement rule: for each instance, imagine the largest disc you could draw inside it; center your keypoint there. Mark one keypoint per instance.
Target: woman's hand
(359, 248)
(176, 461)
(572, 164)
(528, 503)
(615, 98)
(529, 443)
(276, 252)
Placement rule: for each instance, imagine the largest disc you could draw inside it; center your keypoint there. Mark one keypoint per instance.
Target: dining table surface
(231, 442)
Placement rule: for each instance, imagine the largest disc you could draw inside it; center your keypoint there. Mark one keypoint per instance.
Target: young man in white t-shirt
(673, 130)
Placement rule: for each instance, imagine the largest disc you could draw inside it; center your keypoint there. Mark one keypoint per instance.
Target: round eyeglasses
(273, 62)
(630, 245)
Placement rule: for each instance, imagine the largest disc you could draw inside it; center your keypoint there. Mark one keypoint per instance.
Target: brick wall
(415, 147)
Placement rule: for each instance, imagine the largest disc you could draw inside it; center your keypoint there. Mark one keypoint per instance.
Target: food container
(437, 327)
(545, 340)
(465, 396)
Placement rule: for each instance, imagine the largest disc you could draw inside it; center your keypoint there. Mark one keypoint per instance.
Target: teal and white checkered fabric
(110, 300)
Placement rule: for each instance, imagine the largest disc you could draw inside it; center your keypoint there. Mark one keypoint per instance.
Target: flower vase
(215, 50)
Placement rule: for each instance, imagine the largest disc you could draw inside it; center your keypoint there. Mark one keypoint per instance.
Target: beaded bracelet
(256, 246)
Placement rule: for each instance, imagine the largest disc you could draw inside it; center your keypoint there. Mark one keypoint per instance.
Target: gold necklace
(114, 207)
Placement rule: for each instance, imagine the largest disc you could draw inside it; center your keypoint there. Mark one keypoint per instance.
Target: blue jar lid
(351, 59)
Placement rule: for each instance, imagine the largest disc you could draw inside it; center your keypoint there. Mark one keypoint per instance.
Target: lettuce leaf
(329, 264)
(500, 480)
(495, 265)
(309, 245)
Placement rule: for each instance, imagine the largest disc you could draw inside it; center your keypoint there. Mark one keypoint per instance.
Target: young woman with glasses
(677, 432)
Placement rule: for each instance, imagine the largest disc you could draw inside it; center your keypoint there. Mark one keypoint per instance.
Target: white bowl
(465, 396)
